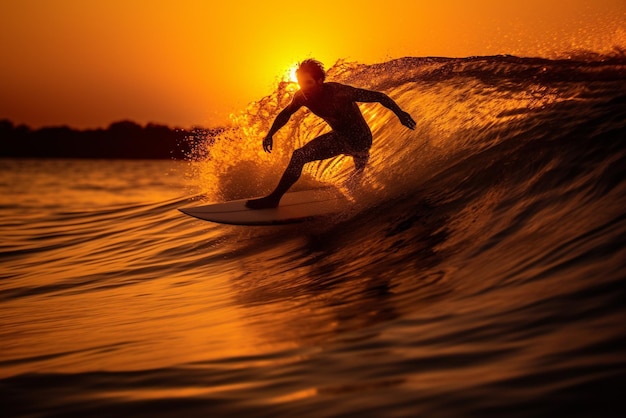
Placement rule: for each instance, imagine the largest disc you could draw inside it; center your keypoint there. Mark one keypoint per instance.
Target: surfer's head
(310, 74)
(312, 67)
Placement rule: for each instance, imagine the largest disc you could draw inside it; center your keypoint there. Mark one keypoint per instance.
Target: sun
(289, 77)
(292, 78)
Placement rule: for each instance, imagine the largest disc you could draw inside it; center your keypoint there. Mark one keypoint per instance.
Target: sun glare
(291, 79)
(292, 74)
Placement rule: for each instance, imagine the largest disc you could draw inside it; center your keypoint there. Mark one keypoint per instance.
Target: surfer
(337, 104)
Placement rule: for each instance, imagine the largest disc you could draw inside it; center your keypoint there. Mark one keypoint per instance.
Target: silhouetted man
(337, 104)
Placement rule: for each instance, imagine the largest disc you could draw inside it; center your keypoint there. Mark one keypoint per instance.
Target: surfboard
(294, 207)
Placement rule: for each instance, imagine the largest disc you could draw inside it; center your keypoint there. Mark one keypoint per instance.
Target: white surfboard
(294, 207)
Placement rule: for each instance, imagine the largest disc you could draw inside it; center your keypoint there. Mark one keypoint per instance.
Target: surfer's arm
(369, 96)
(281, 120)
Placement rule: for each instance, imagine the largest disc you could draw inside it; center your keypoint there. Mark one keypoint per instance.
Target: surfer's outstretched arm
(281, 120)
(370, 96)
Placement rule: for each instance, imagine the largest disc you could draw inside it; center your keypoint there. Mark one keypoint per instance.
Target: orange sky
(87, 63)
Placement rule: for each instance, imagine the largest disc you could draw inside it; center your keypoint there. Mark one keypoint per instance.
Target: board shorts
(332, 144)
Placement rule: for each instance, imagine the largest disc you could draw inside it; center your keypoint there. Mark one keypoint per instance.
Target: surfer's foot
(267, 202)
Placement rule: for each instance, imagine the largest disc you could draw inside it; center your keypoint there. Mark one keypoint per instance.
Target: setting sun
(292, 74)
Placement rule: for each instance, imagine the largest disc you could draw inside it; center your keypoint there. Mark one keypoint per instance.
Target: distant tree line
(121, 140)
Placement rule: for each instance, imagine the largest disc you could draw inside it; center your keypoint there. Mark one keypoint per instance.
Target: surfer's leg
(323, 147)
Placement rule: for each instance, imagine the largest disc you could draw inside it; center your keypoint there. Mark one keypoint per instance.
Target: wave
(463, 107)
(520, 160)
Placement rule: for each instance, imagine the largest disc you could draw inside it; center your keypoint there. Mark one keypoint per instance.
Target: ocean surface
(479, 271)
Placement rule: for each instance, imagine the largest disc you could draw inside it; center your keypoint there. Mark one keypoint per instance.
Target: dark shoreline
(121, 140)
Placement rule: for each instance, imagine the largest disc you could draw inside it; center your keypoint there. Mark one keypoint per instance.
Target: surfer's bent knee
(298, 157)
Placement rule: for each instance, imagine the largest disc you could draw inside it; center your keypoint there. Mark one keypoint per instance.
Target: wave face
(479, 272)
(464, 107)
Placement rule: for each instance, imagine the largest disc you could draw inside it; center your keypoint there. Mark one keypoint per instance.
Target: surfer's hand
(406, 120)
(267, 144)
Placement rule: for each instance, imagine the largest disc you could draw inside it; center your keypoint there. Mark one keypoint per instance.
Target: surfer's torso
(336, 104)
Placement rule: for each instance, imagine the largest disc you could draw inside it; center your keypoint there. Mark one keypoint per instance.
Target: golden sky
(87, 63)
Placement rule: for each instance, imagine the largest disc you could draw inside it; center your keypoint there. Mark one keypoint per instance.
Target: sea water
(479, 270)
